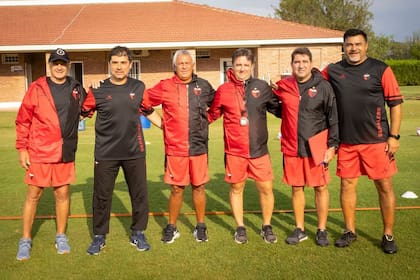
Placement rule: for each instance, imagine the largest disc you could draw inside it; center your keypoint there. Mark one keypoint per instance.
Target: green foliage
(406, 71)
(333, 14)
(379, 46)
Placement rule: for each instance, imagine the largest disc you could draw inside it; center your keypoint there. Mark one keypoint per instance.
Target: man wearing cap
(46, 139)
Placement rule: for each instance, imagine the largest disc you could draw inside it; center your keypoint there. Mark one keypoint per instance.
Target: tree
(333, 14)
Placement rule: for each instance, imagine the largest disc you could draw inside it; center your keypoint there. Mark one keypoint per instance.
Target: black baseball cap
(59, 54)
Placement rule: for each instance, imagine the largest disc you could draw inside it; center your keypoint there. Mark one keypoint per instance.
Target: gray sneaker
(97, 244)
(24, 251)
(62, 244)
(170, 233)
(200, 233)
(298, 235)
(268, 235)
(240, 235)
(346, 239)
(139, 240)
(322, 238)
(388, 244)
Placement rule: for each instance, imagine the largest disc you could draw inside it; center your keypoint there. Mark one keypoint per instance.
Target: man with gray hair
(184, 99)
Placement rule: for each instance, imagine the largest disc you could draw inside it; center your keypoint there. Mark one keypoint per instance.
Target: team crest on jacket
(366, 76)
(312, 92)
(75, 94)
(132, 94)
(256, 93)
(197, 91)
(108, 97)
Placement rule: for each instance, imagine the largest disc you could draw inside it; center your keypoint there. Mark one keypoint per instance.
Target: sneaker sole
(23, 259)
(138, 249)
(269, 242)
(343, 245)
(62, 252)
(294, 243)
(322, 244)
(199, 240)
(176, 236)
(95, 254)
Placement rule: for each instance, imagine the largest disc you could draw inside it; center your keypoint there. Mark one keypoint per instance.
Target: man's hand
(24, 159)
(96, 84)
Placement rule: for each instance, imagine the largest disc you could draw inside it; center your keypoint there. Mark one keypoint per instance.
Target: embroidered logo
(312, 92)
(342, 76)
(256, 93)
(132, 94)
(108, 97)
(366, 76)
(197, 91)
(75, 94)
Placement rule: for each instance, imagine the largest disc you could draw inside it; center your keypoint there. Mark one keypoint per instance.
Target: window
(200, 54)
(225, 63)
(10, 59)
(135, 70)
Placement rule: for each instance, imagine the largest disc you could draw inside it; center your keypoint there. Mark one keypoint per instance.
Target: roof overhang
(173, 45)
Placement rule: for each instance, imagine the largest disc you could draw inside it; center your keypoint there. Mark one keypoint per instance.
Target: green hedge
(407, 72)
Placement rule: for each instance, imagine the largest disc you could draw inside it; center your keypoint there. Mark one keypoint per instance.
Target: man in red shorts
(243, 101)
(46, 138)
(185, 99)
(363, 86)
(308, 108)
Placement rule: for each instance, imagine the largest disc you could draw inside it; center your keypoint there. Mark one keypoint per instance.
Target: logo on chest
(132, 94)
(366, 76)
(75, 94)
(312, 92)
(256, 93)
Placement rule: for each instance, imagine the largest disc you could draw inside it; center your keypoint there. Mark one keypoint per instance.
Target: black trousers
(105, 174)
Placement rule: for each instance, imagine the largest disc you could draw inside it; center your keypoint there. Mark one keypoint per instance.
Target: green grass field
(221, 257)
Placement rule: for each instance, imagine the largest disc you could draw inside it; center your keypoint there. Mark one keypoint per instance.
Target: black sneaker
(170, 233)
(298, 235)
(388, 244)
(322, 237)
(346, 239)
(139, 240)
(240, 235)
(268, 235)
(97, 244)
(200, 233)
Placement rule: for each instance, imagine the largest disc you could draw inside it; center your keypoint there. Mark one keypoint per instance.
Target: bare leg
(322, 198)
(62, 207)
(265, 189)
(199, 200)
(387, 203)
(348, 197)
(236, 202)
(298, 201)
(33, 196)
(175, 203)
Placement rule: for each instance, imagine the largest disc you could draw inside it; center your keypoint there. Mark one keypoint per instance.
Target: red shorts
(50, 174)
(302, 171)
(365, 159)
(181, 171)
(238, 169)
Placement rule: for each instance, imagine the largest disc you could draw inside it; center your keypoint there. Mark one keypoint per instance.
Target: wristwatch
(395, 136)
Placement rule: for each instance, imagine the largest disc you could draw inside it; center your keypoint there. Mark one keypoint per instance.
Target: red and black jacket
(184, 107)
(38, 127)
(306, 110)
(252, 99)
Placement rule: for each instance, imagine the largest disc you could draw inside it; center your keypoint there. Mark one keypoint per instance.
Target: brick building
(153, 30)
